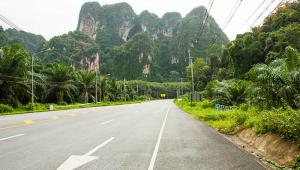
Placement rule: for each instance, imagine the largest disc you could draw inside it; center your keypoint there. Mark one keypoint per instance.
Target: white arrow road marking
(99, 146)
(103, 123)
(75, 161)
(11, 137)
(151, 166)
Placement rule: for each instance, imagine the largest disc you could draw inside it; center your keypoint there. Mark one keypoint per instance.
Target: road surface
(150, 135)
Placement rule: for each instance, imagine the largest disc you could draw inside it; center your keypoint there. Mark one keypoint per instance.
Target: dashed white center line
(106, 122)
(10, 137)
(151, 166)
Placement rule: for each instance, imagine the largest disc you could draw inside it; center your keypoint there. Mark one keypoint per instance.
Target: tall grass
(284, 122)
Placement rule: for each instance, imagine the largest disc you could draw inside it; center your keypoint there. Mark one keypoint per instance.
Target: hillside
(172, 35)
(32, 42)
(117, 41)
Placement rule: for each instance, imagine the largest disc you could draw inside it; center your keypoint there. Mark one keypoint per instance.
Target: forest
(61, 83)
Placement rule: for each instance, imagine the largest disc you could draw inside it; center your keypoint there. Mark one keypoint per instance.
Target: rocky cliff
(173, 35)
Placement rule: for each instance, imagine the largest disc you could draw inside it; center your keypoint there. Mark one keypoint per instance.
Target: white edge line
(103, 123)
(151, 166)
(99, 146)
(10, 137)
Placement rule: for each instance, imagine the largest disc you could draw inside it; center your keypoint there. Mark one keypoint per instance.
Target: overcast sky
(56, 17)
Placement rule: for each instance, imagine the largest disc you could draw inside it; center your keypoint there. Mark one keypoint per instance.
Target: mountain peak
(198, 11)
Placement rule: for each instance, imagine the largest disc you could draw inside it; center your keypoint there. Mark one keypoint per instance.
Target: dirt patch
(267, 147)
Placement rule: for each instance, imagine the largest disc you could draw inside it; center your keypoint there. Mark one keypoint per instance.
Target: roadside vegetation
(41, 107)
(60, 84)
(256, 81)
(284, 122)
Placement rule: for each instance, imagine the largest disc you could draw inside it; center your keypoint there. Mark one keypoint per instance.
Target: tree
(14, 84)
(201, 73)
(86, 85)
(61, 83)
(277, 83)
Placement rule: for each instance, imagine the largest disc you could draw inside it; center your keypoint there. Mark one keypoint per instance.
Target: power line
(232, 13)
(232, 10)
(210, 4)
(253, 13)
(9, 23)
(266, 8)
(281, 2)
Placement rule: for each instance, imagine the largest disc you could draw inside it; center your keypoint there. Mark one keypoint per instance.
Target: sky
(55, 17)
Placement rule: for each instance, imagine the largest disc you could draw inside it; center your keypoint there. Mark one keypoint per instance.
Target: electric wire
(9, 23)
(210, 4)
(232, 14)
(259, 16)
(253, 13)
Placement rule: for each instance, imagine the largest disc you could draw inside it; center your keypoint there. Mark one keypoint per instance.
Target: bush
(286, 123)
(5, 108)
(297, 162)
(244, 107)
(206, 104)
(241, 116)
(63, 103)
(143, 97)
(211, 116)
(225, 126)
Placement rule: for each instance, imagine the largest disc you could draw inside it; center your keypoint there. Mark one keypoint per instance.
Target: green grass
(44, 107)
(283, 122)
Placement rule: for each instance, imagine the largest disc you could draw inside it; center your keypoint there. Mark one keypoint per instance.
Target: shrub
(286, 123)
(225, 126)
(212, 116)
(244, 107)
(63, 103)
(206, 104)
(5, 108)
(297, 162)
(143, 97)
(241, 116)
(250, 122)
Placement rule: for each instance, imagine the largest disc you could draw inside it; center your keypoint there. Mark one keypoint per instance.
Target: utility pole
(181, 87)
(137, 89)
(100, 89)
(124, 90)
(96, 88)
(192, 74)
(32, 90)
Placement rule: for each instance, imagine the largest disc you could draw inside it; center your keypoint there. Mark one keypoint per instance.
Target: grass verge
(44, 107)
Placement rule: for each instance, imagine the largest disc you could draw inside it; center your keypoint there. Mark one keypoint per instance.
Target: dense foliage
(132, 59)
(258, 68)
(32, 42)
(14, 85)
(72, 48)
(286, 123)
(170, 38)
(255, 84)
(62, 83)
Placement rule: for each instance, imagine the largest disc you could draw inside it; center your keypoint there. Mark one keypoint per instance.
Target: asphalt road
(150, 135)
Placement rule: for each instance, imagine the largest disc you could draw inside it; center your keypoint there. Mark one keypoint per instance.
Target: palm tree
(14, 84)
(86, 85)
(232, 92)
(279, 82)
(61, 83)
